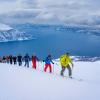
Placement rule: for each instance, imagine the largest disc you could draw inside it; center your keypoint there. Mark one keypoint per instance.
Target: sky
(50, 11)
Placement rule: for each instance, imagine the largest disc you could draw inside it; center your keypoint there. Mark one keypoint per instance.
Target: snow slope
(20, 83)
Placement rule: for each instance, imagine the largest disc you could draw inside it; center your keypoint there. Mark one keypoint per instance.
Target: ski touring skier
(4, 59)
(11, 59)
(15, 60)
(65, 62)
(7, 59)
(34, 60)
(27, 59)
(19, 59)
(48, 62)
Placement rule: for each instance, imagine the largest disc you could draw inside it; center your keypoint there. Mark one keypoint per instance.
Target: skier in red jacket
(34, 59)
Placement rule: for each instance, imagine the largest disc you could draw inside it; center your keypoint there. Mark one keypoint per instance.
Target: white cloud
(52, 11)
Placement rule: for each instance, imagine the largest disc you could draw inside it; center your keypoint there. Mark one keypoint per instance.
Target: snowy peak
(4, 27)
(14, 35)
(31, 31)
(8, 33)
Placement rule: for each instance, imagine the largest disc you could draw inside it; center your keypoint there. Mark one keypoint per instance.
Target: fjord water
(54, 41)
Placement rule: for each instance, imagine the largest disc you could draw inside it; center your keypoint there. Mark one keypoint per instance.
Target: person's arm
(51, 61)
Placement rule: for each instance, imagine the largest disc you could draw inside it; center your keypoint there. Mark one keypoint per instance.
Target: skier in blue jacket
(48, 62)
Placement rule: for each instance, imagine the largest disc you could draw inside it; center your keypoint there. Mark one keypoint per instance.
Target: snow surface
(20, 83)
(4, 27)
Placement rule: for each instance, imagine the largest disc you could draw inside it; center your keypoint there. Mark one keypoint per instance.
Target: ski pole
(43, 66)
(57, 64)
(38, 65)
(53, 69)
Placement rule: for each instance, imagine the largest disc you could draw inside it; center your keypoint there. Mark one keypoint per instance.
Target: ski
(78, 79)
(73, 78)
(67, 77)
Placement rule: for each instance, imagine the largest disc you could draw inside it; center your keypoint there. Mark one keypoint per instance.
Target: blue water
(55, 42)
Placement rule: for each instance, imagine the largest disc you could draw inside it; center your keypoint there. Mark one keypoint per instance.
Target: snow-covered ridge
(21, 31)
(14, 35)
(85, 58)
(8, 33)
(4, 27)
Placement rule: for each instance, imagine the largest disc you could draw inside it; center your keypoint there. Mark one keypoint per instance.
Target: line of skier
(20, 59)
(65, 62)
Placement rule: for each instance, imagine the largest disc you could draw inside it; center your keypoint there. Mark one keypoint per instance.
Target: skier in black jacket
(27, 59)
(11, 59)
(15, 60)
(19, 59)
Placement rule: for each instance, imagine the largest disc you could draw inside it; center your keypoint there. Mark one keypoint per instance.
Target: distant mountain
(8, 33)
(82, 29)
(85, 58)
(4, 27)
(16, 32)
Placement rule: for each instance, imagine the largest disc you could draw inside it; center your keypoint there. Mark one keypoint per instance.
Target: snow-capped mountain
(4, 27)
(13, 35)
(8, 33)
(82, 29)
(30, 31)
(85, 58)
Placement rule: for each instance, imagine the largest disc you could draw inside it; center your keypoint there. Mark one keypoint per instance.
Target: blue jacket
(26, 58)
(48, 60)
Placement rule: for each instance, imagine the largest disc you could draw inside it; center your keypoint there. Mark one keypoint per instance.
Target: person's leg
(28, 64)
(20, 63)
(25, 64)
(46, 66)
(50, 68)
(69, 70)
(34, 64)
(62, 71)
(11, 62)
(14, 63)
